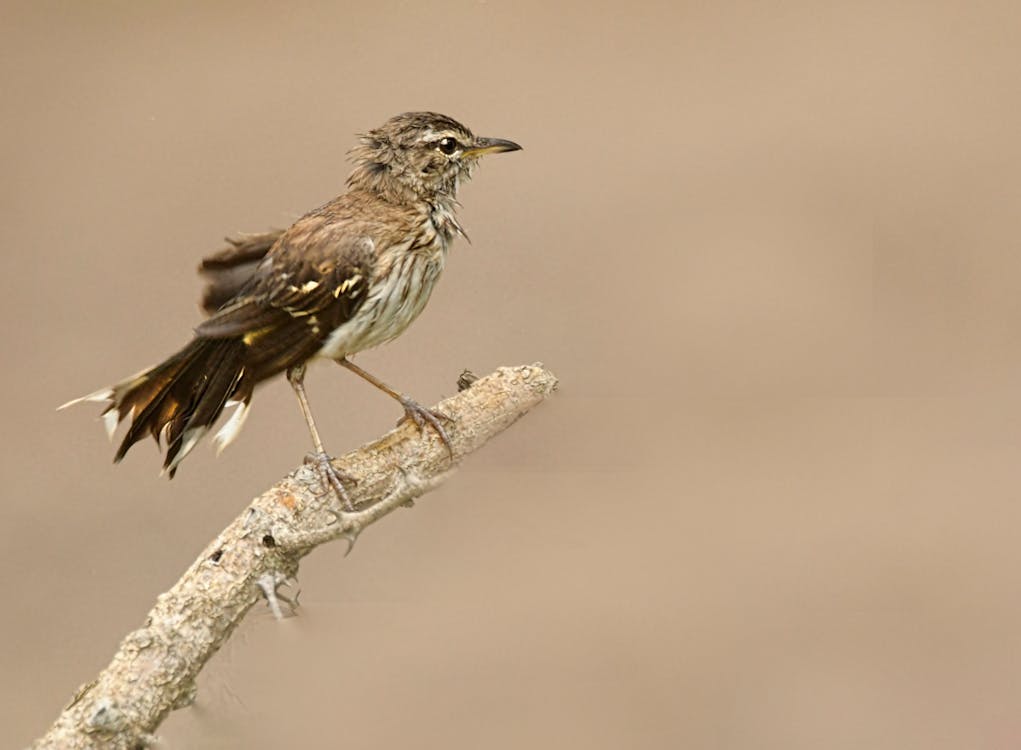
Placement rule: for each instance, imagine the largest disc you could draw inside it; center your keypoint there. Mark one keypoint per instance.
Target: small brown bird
(347, 276)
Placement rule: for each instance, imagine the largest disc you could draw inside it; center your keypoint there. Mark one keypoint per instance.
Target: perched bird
(347, 276)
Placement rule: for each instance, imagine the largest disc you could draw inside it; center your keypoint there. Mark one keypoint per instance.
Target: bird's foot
(331, 478)
(421, 416)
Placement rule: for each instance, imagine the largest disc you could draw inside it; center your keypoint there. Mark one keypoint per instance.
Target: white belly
(392, 304)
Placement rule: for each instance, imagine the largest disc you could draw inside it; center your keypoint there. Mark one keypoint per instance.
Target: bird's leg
(414, 411)
(329, 475)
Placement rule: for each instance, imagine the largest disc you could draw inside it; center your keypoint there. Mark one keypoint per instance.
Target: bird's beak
(491, 146)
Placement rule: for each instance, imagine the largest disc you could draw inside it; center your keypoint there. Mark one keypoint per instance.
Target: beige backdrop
(772, 251)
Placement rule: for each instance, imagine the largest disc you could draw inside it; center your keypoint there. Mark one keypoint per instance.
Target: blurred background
(771, 250)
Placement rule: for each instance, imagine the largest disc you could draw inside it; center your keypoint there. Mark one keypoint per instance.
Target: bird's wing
(244, 248)
(229, 270)
(315, 279)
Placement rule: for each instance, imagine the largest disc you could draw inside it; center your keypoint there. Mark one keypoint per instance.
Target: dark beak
(491, 146)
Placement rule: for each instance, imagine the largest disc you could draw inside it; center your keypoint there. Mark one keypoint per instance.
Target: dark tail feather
(179, 400)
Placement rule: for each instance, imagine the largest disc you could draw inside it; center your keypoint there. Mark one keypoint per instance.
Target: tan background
(771, 249)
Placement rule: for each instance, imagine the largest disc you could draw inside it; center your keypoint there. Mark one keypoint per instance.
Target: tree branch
(154, 670)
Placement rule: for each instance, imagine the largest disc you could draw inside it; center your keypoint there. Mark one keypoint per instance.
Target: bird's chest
(406, 275)
(403, 292)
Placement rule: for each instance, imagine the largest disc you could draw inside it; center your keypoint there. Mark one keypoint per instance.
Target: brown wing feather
(244, 248)
(229, 270)
(313, 280)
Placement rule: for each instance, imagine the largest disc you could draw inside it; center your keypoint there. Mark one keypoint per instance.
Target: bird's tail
(179, 400)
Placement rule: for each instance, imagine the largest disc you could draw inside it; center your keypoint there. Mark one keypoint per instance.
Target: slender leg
(329, 474)
(412, 410)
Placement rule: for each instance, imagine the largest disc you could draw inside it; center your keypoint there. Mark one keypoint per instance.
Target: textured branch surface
(154, 670)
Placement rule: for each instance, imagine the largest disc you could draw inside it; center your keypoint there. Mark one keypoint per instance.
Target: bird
(347, 276)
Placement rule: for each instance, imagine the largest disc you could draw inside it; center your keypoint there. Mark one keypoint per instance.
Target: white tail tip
(103, 396)
(226, 434)
(110, 421)
(190, 438)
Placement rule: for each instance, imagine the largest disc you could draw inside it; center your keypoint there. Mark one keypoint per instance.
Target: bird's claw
(331, 478)
(422, 416)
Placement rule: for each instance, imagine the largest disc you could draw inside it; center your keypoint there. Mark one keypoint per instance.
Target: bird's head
(421, 155)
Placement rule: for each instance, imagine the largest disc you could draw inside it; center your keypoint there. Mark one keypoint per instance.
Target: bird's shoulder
(355, 214)
(323, 263)
(333, 243)
(317, 267)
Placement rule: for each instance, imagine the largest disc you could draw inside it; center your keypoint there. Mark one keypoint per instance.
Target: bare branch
(154, 670)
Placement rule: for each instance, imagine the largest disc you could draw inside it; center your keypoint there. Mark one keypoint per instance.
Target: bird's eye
(447, 146)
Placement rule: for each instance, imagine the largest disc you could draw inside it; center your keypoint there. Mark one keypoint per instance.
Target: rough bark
(154, 670)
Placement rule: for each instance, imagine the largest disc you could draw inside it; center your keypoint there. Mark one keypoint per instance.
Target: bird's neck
(444, 219)
(406, 188)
